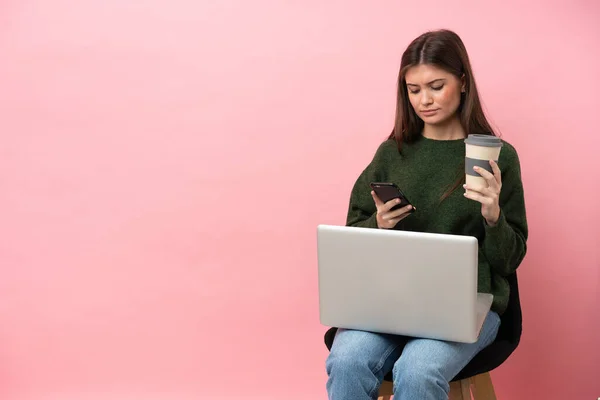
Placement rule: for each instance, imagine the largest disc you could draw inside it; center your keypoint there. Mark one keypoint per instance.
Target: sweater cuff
(371, 222)
(499, 232)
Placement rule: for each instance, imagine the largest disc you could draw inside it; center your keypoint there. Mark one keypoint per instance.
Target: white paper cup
(480, 149)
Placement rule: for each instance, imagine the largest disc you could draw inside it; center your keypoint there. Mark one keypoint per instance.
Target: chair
(475, 378)
(480, 385)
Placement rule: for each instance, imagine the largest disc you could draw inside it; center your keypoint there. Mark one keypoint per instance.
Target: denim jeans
(359, 360)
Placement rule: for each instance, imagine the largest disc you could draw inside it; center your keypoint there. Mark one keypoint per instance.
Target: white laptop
(406, 283)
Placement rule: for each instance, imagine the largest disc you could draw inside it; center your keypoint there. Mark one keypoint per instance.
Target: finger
(491, 180)
(378, 202)
(478, 196)
(387, 206)
(497, 173)
(484, 191)
(475, 189)
(395, 221)
(399, 212)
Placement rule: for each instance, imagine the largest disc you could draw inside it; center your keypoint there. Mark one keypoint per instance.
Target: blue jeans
(359, 360)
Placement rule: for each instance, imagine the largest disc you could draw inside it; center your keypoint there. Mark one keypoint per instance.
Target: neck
(448, 130)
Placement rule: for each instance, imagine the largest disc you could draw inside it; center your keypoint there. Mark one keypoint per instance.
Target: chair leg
(465, 388)
(483, 388)
(386, 391)
(456, 392)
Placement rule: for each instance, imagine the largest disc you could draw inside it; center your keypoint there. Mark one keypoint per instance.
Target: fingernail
(397, 200)
(475, 168)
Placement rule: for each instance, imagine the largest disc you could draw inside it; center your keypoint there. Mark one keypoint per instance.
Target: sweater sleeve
(361, 210)
(505, 244)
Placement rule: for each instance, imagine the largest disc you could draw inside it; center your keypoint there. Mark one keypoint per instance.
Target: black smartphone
(387, 191)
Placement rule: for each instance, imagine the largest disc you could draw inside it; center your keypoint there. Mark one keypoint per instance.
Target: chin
(435, 120)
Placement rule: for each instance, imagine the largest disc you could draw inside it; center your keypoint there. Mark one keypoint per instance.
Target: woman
(437, 107)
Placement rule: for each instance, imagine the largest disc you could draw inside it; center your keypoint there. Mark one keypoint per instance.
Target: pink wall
(164, 164)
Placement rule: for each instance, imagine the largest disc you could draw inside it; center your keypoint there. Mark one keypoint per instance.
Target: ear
(463, 84)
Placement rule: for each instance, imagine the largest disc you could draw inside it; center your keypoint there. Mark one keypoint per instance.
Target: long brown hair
(443, 49)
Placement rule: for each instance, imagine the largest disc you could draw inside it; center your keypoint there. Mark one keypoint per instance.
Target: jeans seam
(379, 366)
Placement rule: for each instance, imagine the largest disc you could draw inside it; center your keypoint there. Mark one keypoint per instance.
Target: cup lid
(484, 140)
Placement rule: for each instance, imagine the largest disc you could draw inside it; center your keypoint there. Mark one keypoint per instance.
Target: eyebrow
(429, 83)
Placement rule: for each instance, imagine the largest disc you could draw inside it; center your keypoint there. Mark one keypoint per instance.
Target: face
(433, 93)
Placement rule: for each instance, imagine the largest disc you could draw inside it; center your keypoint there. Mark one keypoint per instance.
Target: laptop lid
(407, 283)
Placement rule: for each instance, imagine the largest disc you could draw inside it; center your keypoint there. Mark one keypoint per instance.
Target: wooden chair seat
(479, 387)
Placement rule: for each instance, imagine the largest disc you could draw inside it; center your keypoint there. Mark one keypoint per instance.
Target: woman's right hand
(387, 219)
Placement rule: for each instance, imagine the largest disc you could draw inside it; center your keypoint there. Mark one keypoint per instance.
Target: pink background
(164, 164)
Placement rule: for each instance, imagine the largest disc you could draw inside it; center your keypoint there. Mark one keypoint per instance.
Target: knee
(345, 363)
(421, 376)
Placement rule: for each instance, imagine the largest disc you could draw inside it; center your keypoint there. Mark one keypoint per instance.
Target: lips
(429, 112)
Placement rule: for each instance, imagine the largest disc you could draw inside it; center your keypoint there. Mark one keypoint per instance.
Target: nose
(426, 98)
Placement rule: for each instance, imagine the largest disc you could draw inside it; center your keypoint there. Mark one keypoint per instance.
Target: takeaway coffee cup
(480, 149)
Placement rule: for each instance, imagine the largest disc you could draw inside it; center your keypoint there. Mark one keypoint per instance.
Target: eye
(440, 87)
(414, 91)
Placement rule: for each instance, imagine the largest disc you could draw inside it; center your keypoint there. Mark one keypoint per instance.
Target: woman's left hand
(489, 196)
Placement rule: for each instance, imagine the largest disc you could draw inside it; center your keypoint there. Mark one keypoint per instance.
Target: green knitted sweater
(424, 171)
